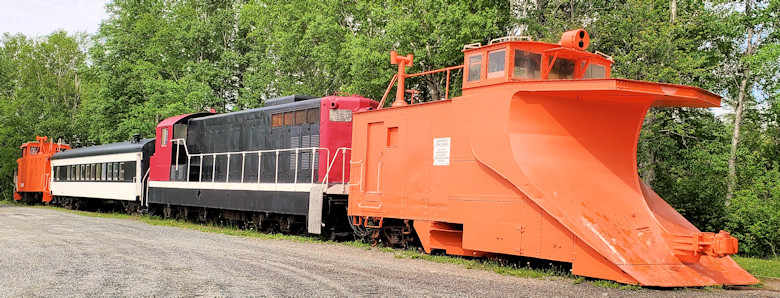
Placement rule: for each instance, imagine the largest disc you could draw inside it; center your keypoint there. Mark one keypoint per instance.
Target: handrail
(343, 166)
(446, 88)
(145, 190)
(389, 86)
(260, 153)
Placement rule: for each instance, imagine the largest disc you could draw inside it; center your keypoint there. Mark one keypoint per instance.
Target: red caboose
(33, 178)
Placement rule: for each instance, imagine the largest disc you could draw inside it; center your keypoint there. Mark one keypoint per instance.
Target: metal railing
(448, 70)
(260, 154)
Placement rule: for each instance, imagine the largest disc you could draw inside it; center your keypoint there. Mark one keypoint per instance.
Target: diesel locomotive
(536, 158)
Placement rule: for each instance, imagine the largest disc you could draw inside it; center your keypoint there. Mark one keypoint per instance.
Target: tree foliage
(43, 82)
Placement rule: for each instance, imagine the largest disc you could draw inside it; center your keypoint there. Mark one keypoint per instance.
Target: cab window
(496, 63)
(475, 68)
(164, 142)
(33, 150)
(527, 65)
(562, 69)
(594, 71)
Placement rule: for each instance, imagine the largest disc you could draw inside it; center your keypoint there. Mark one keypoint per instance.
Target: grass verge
(482, 264)
(209, 228)
(760, 267)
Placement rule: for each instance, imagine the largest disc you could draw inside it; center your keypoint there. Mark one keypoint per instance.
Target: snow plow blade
(571, 148)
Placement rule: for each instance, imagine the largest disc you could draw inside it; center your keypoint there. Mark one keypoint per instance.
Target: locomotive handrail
(343, 166)
(260, 153)
(145, 189)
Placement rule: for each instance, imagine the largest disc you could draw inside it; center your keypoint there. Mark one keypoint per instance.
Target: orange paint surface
(34, 174)
(543, 168)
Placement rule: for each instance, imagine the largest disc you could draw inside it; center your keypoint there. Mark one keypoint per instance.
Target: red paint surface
(334, 135)
(160, 162)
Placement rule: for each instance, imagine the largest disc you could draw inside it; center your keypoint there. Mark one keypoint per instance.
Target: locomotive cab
(518, 58)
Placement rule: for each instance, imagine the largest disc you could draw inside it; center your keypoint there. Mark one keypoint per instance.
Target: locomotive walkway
(46, 252)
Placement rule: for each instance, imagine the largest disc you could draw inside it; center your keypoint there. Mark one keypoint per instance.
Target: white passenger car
(107, 172)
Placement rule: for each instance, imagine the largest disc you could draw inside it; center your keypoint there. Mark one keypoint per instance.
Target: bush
(754, 216)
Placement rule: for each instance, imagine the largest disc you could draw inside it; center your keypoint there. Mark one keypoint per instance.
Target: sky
(41, 17)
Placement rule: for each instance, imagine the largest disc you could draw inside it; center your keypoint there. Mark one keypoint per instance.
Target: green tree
(44, 82)
(157, 59)
(320, 47)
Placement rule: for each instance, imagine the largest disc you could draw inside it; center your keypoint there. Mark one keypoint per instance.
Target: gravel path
(45, 252)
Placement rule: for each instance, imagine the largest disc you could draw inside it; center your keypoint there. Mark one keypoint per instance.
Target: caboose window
(496, 63)
(562, 69)
(527, 65)
(475, 68)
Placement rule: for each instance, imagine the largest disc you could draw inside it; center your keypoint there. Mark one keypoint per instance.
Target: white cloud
(41, 17)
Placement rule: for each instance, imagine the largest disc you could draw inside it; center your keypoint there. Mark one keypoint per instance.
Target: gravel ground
(45, 252)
